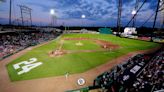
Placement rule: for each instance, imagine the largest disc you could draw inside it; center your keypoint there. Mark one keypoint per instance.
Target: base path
(55, 84)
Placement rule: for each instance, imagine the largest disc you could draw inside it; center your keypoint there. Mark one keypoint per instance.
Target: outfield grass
(74, 62)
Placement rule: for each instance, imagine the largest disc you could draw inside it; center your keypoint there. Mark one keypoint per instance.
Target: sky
(68, 12)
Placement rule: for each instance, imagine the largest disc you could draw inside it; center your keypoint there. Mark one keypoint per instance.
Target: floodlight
(83, 16)
(52, 11)
(134, 12)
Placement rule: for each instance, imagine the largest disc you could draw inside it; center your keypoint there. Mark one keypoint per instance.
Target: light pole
(53, 16)
(83, 17)
(133, 14)
(119, 17)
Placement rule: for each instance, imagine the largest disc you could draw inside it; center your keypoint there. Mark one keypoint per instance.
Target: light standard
(133, 14)
(83, 17)
(52, 13)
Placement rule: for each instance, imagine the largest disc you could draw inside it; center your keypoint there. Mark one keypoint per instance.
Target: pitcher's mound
(79, 44)
(57, 53)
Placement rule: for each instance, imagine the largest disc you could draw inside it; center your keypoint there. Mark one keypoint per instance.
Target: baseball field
(71, 54)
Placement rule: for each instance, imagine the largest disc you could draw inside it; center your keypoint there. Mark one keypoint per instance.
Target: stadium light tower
(119, 17)
(52, 12)
(53, 16)
(134, 12)
(83, 17)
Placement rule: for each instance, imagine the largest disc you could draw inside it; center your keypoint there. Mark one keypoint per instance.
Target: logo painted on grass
(27, 66)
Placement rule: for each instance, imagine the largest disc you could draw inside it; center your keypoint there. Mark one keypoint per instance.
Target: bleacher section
(142, 73)
(122, 75)
(13, 42)
(152, 76)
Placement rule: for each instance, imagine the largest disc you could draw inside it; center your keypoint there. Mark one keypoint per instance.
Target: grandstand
(14, 41)
(141, 73)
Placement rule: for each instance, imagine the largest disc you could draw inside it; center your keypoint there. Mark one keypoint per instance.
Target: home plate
(80, 81)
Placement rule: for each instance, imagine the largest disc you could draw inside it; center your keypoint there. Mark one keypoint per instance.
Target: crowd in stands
(152, 76)
(141, 73)
(13, 42)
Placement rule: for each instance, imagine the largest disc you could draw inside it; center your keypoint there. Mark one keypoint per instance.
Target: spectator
(13, 42)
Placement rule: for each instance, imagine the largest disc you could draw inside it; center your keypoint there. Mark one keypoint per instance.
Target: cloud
(98, 12)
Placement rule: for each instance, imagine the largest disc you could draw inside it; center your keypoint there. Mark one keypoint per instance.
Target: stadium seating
(141, 73)
(151, 78)
(13, 42)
